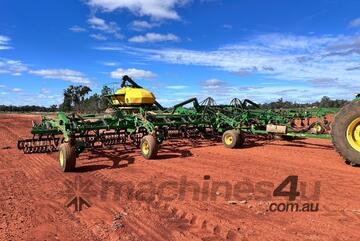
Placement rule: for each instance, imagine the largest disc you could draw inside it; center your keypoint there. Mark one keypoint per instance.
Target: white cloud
(16, 90)
(110, 63)
(176, 87)
(279, 57)
(101, 25)
(4, 71)
(44, 91)
(4, 42)
(138, 25)
(16, 66)
(110, 48)
(153, 37)
(153, 8)
(133, 73)
(212, 84)
(355, 23)
(13, 67)
(98, 36)
(19, 97)
(63, 74)
(227, 26)
(77, 29)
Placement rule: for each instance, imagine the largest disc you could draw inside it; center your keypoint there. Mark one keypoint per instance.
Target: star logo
(75, 191)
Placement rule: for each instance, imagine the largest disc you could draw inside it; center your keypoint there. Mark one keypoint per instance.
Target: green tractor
(345, 132)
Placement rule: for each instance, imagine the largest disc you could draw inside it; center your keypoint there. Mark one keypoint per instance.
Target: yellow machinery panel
(133, 96)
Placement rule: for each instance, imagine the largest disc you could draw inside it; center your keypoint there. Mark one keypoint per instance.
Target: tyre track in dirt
(38, 190)
(196, 208)
(111, 175)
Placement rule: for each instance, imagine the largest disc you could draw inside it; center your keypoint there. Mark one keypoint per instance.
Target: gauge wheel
(149, 147)
(67, 157)
(233, 139)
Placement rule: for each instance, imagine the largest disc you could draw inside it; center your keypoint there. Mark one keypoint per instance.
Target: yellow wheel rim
(145, 148)
(353, 134)
(61, 158)
(318, 128)
(228, 139)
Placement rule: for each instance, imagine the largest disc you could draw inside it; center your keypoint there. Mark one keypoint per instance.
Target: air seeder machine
(138, 119)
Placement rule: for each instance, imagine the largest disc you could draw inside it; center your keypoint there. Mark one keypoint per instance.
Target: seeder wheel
(345, 132)
(233, 139)
(67, 157)
(149, 147)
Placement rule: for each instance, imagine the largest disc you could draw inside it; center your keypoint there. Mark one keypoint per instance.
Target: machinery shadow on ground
(300, 143)
(122, 156)
(115, 155)
(170, 152)
(182, 148)
(254, 141)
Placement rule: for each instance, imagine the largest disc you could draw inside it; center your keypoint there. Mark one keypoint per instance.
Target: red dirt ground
(34, 192)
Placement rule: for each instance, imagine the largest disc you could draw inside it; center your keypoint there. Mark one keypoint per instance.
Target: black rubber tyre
(343, 119)
(241, 140)
(233, 139)
(67, 157)
(149, 147)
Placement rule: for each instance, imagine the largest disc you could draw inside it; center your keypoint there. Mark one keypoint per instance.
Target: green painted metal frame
(248, 119)
(199, 117)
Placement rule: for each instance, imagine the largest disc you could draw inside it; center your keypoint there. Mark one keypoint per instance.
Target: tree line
(78, 99)
(325, 102)
(28, 108)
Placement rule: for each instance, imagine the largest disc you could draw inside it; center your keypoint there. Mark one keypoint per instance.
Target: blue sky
(262, 50)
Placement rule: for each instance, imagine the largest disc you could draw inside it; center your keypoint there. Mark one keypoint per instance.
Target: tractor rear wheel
(345, 132)
(67, 157)
(233, 139)
(149, 147)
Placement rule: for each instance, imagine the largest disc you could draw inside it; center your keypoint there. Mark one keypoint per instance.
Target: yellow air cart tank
(131, 94)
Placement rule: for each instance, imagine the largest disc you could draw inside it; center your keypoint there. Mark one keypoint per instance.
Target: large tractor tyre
(345, 132)
(149, 147)
(233, 139)
(67, 157)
